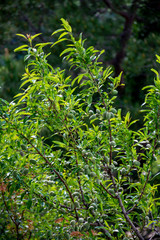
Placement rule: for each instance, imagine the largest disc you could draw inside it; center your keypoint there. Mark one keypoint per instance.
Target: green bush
(71, 167)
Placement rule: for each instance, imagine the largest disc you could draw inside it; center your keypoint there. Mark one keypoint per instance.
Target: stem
(142, 192)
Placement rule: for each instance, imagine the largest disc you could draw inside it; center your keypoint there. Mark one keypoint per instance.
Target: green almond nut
(81, 220)
(23, 146)
(52, 178)
(112, 143)
(14, 174)
(25, 171)
(67, 236)
(114, 92)
(76, 194)
(72, 206)
(93, 117)
(76, 204)
(94, 205)
(136, 163)
(148, 146)
(93, 174)
(73, 223)
(97, 181)
(87, 171)
(89, 219)
(98, 111)
(32, 161)
(86, 226)
(52, 193)
(113, 110)
(91, 208)
(111, 191)
(70, 115)
(91, 112)
(49, 182)
(123, 171)
(111, 85)
(106, 115)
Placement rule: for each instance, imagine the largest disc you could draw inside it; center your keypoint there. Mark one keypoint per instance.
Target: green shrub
(71, 167)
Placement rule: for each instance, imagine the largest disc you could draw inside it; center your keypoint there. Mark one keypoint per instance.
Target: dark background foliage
(128, 30)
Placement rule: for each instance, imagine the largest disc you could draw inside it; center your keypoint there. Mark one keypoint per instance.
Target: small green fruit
(106, 115)
(123, 171)
(23, 146)
(93, 174)
(92, 117)
(25, 171)
(112, 143)
(70, 115)
(52, 194)
(86, 226)
(113, 110)
(67, 236)
(136, 163)
(72, 206)
(73, 223)
(14, 174)
(81, 220)
(91, 208)
(76, 204)
(32, 161)
(114, 92)
(91, 112)
(98, 111)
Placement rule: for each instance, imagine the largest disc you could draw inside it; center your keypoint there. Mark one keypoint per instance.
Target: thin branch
(121, 13)
(142, 192)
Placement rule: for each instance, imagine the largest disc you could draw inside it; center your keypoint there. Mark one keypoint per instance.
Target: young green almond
(86, 226)
(52, 194)
(70, 115)
(93, 174)
(92, 117)
(123, 171)
(67, 236)
(112, 143)
(25, 171)
(76, 204)
(32, 161)
(106, 115)
(113, 110)
(73, 223)
(136, 163)
(81, 220)
(72, 206)
(23, 146)
(14, 174)
(114, 92)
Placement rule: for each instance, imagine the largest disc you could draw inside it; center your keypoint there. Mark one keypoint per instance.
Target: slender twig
(142, 192)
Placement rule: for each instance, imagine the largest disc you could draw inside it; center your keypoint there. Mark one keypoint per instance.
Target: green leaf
(21, 48)
(67, 50)
(21, 35)
(61, 40)
(57, 31)
(36, 35)
(66, 25)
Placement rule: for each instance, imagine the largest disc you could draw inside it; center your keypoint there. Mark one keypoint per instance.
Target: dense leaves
(70, 166)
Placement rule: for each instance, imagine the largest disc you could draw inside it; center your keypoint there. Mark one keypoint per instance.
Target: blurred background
(128, 30)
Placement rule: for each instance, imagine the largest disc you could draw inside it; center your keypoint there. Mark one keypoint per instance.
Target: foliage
(11, 71)
(91, 178)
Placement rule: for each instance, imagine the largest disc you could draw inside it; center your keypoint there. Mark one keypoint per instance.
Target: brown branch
(142, 192)
(129, 17)
(110, 5)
